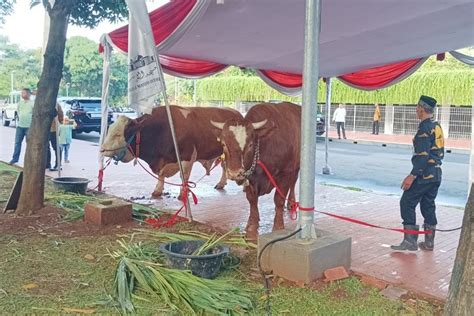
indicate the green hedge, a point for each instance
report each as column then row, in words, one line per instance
column 454, row 87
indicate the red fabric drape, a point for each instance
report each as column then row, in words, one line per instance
column 189, row 67
column 284, row 79
column 369, row 79
column 379, row 77
column 164, row 21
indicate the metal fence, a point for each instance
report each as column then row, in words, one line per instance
column 456, row 120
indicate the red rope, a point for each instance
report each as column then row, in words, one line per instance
column 186, row 189
column 295, row 207
column 100, row 177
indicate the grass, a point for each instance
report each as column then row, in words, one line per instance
column 66, row 278
column 343, row 187
column 348, row 297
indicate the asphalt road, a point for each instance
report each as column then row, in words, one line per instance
column 382, row 169
column 379, row 169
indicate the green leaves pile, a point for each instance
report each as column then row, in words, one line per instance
column 139, row 269
column 73, row 206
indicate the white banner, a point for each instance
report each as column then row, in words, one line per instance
column 144, row 74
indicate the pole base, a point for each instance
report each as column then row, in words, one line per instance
column 327, row 170
column 299, row 261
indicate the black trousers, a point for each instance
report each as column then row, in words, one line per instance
column 52, row 140
column 376, row 127
column 340, row 125
column 424, row 194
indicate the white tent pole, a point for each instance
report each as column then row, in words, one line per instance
column 173, row 134
column 308, row 118
column 58, row 149
column 327, row 169
column 104, row 107
column 471, row 156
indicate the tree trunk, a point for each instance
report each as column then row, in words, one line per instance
column 32, row 190
column 461, row 287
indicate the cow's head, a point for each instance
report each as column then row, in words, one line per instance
column 116, row 141
column 239, row 139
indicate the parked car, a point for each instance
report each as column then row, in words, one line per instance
column 9, row 108
column 320, row 124
column 85, row 111
column 128, row 112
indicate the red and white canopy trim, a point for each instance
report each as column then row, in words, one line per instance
column 368, row 45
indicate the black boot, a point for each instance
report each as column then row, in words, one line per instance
column 409, row 241
column 428, row 244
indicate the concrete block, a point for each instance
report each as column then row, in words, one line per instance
column 108, row 212
column 304, row 261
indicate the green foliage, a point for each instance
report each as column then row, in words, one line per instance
column 90, row 13
column 83, row 70
column 454, row 87
column 25, row 65
column 83, row 67
column 6, row 8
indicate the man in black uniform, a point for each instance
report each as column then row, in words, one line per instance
column 421, row 185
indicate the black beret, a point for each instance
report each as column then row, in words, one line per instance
column 427, row 101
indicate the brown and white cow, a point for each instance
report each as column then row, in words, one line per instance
column 269, row 133
column 195, row 137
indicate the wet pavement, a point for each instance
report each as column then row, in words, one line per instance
column 426, row 272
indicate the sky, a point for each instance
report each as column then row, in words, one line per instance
column 25, row 26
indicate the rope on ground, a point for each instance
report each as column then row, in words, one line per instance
column 295, row 206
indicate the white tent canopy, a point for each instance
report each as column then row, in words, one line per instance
column 355, row 35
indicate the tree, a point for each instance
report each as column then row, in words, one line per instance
column 79, row 12
column 6, row 8
column 25, row 64
column 83, row 66
column 461, row 287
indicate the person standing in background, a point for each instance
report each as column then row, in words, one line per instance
column 25, row 114
column 340, row 118
column 53, row 139
column 65, row 137
column 377, row 118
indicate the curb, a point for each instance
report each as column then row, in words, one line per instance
column 452, row 150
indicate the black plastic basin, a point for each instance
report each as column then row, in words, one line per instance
column 71, row 184
column 179, row 256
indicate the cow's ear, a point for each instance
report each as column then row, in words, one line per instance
column 218, row 125
column 216, row 129
column 133, row 127
column 264, row 129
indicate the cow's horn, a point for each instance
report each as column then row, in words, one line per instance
column 259, row 125
column 218, row 124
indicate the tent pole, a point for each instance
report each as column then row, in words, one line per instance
column 327, row 169
column 308, row 120
column 104, row 107
column 173, row 134
column 471, row 152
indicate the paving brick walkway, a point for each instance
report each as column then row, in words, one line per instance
column 426, row 272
